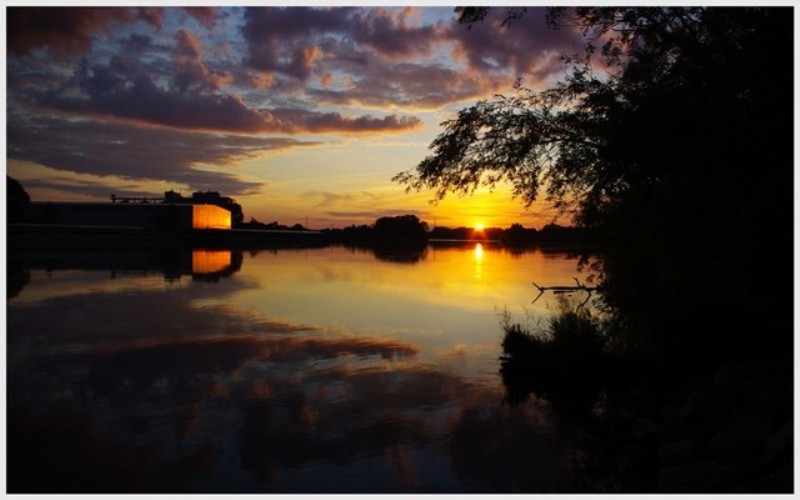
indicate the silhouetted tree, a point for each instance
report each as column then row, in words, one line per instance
column 518, row 235
column 17, row 277
column 17, row 200
column 447, row 233
column 677, row 160
column 406, row 228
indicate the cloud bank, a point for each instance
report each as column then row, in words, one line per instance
column 152, row 93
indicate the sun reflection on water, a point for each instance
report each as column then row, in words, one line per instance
column 478, row 252
column 478, row 261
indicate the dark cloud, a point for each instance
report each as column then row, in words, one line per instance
column 207, row 16
column 411, row 85
column 366, row 46
column 328, row 198
column 68, row 30
column 527, row 46
column 264, row 23
column 294, row 40
column 26, row 80
column 293, row 121
column 392, row 33
column 373, row 48
column 286, row 73
column 124, row 89
column 280, row 39
column 87, row 188
column 133, row 152
column 193, row 99
column 294, row 60
column 190, row 74
column 137, row 43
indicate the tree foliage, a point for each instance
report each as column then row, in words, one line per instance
column 676, row 90
column 670, row 138
column 17, row 200
column 402, row 227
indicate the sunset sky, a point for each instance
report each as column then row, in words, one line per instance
column 299, row 114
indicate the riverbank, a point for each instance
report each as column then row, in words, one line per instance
column 664, row 422
column 32, row 237
column 724, row 430
column 26, row 237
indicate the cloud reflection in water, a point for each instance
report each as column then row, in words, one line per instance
column 181, row 389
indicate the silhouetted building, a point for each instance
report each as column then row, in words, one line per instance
column 208, row 198
column 155, row 216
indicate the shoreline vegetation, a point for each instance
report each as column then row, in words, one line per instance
column 681, row 170
column 654, row 418
column 32, row 229
column 399, row 233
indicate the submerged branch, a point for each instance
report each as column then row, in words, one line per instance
column 559, row 289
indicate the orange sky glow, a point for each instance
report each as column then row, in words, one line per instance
column 303, row 115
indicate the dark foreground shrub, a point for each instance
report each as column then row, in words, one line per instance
column 561, row 361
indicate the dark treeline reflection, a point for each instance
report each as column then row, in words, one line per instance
column 394, row 253
column 412, row 253
column 408, row 253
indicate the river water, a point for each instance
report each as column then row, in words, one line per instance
column 326, row 370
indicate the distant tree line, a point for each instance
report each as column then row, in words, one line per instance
column 514, row 235
column 399, row 231
column 409, row 229
column 17, row 200
column 253, row 223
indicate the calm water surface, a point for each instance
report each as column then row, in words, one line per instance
column 319, row 370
